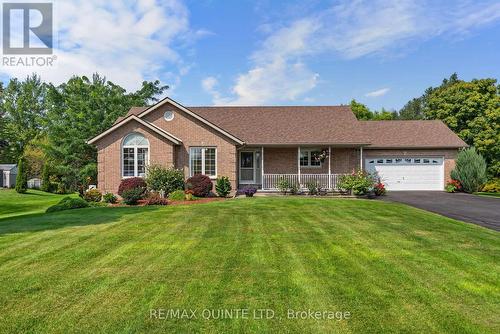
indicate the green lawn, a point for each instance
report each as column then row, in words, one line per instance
column 488, row 194
column 34, row 201
column 394, row 268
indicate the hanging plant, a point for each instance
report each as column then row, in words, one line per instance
column 322, row 156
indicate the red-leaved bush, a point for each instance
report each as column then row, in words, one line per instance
column 200, row 185
column 155, row 199
column 131, row 183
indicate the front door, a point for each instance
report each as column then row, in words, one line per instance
column 247, row 167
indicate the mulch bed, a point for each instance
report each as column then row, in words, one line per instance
column 198, row 201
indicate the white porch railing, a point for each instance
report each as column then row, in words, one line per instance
column 325, row 181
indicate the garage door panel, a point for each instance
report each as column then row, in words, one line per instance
column 408, row 176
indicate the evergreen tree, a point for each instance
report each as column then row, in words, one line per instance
column 45, row 178
column 21, row 179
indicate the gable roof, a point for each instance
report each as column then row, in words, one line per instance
column 411, row 134
column 192, row 114
column 148, row 125
column 315, row 125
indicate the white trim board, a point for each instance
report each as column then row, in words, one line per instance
column 148, row 125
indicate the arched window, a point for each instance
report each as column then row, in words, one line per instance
column 135, row 150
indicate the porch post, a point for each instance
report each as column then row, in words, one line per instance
column 361, row 158
column 329, row 167
column 298, row 163
column 262, row 166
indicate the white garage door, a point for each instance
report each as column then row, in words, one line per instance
column 404, row 173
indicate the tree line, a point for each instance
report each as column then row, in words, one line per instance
column 469, row 108
column 47, row 126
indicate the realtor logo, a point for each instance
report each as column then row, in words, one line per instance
column 27, row 28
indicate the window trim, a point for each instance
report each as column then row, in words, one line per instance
column 203, row 171
column 309, row 158
column 135, row 147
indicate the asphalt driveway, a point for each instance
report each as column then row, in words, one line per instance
column 480, row 210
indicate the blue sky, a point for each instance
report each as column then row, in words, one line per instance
column 381, row 53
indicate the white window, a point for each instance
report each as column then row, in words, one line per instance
column 310, row 158
column 203, row 160
column 135, row 155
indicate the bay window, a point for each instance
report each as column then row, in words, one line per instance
column 203, row 160
column 135, row 155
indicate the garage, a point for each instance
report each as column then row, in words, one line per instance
column 408, row 173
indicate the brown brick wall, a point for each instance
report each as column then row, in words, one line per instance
column 194, row 133
column 345, row 160
column 109, row 164
column 283, row 160
column 449, row 156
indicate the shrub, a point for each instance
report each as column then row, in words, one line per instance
column 159, row 178
column 131, row 183
column 470, row 170
column 177, row 195
column 109, row 198
column 92, row 195
column 59, row 187
column 68, row 203
column 357, row 183
column 132, row 196
column 223, row 186
column 189, row 195
column 283, row 185
column 452, row 186
column 21, row 178
column 379, row 189
column 200, row 184
column 493, row 186
column 294, row 188
column 249, row 191
column 155, row 199
column 313, row 187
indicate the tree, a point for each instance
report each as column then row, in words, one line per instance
column 472, row 111
column 384, row 115
column 21, row 179
column 414, row 109
column 46, row 178
column 23, row 110
column 34, row 157
column 79, row 110
column 470, row 170
column 361, row 111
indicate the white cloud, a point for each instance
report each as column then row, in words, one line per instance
column 127, row 41
column 278, row 73
column 377, row 93
column 349, row 29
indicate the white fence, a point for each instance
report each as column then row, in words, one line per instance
column 325, row 181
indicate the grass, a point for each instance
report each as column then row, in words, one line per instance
column 394, row 268
column 34, row 201
column 487, row 194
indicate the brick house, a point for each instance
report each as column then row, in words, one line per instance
column 261, row 145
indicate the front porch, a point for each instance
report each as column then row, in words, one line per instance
column 265, row 167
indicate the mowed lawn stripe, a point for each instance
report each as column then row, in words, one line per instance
column 394, row 268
